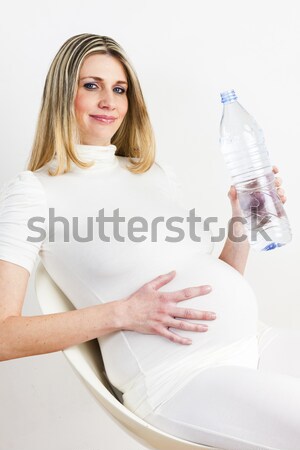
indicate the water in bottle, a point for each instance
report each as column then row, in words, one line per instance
column 243, row 146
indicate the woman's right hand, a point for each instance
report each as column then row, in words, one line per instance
column 150, row 311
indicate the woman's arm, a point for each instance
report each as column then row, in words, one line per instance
column 26, row 336
column 236, row 253
column 146, row 311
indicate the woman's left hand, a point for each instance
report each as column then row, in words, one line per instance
column 232, row 194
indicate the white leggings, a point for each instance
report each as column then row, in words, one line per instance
column 238, row 408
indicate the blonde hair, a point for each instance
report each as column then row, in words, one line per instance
column 57, row 130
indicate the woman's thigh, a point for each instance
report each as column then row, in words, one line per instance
column 234, row 407
column 279, row 351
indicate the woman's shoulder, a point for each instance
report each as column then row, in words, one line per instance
column 23, row 188
column 166, row 167
column 24, row 176
column 161, row 169
column 169, row 173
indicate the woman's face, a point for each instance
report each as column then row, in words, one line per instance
column 101, row 101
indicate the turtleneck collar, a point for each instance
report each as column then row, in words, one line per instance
column 103, row 155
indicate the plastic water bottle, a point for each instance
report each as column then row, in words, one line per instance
column 243, row 146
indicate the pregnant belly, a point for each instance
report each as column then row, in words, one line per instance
column 232, row 298
column 126, row 353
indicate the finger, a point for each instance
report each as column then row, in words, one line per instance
column 175, row 337
column 187, row 293
column 194, row 314
column 187, row 325
column 278, row 181
column 232, row 194
column 161, row 280
column 275, row 169
column 283, row 199
column 232, row 189
column 281, row 195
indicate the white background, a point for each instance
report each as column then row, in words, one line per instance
column 185, row 54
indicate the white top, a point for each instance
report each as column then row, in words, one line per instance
column 148, row 369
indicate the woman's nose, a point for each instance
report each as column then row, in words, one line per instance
column 107, row 100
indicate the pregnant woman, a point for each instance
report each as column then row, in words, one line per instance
column 97, row 208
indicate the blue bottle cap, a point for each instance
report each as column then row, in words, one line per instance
column 271, row 246
column 228, row 96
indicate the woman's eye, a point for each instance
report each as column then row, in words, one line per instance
column 117, row 89
column 121, row 90
column 89, row 84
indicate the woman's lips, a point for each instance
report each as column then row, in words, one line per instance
column 103, row 119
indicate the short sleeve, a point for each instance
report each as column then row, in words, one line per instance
column 22, row 199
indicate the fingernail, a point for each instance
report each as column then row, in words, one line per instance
column 212, row 315
column 207, row 288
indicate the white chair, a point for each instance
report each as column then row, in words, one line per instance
column 86, row 360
